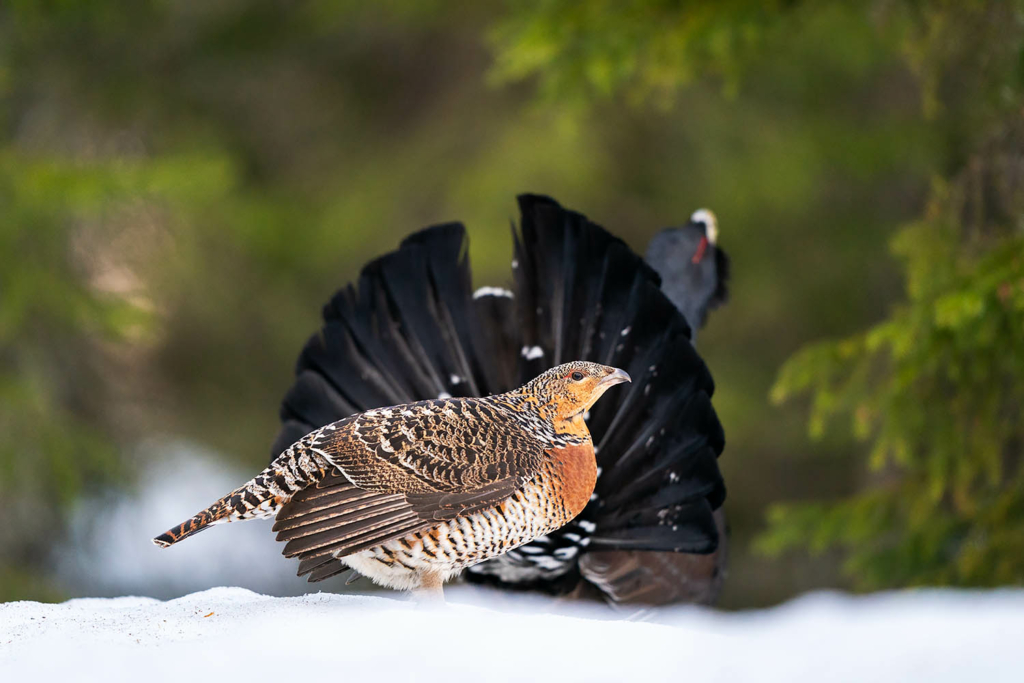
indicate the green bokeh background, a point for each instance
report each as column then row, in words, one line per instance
column 183, row 184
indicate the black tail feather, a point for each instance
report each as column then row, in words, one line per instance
column 407, row 333
column 692, row 530
column 501, row 335
column 590, row 297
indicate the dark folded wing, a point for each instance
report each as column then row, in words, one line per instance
column 336, row 518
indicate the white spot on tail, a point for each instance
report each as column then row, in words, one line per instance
column 532, row 352
column 493, row 291
column 546, row 562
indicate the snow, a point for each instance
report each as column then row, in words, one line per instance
column 925, row 635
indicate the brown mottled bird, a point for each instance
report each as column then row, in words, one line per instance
column 411, row 494
column 413, row 327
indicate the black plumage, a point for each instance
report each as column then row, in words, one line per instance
column 413, row 329
column 694, row 270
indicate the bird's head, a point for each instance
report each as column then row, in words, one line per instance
column 703, row 220
column 565, row 392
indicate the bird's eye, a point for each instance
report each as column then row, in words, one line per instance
column 577, row 376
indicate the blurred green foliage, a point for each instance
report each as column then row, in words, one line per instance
column 937, row 388
column 645, row 50
column 183, row 184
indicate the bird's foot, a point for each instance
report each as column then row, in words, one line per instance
column 430, row 591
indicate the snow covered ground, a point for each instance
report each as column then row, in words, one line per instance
column 930, row 636
column 926, row 635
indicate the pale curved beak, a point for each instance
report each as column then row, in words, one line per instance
column 616, row 377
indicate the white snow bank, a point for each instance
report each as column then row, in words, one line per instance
column 930, row 635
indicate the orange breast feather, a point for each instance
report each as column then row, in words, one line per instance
column 578, row 470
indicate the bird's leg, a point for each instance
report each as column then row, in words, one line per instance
column 430, row 590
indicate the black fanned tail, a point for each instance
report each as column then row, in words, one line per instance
column 414, row 330
column 407, row 332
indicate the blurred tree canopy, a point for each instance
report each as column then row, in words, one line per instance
column 183, row 184
column 937, row 388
